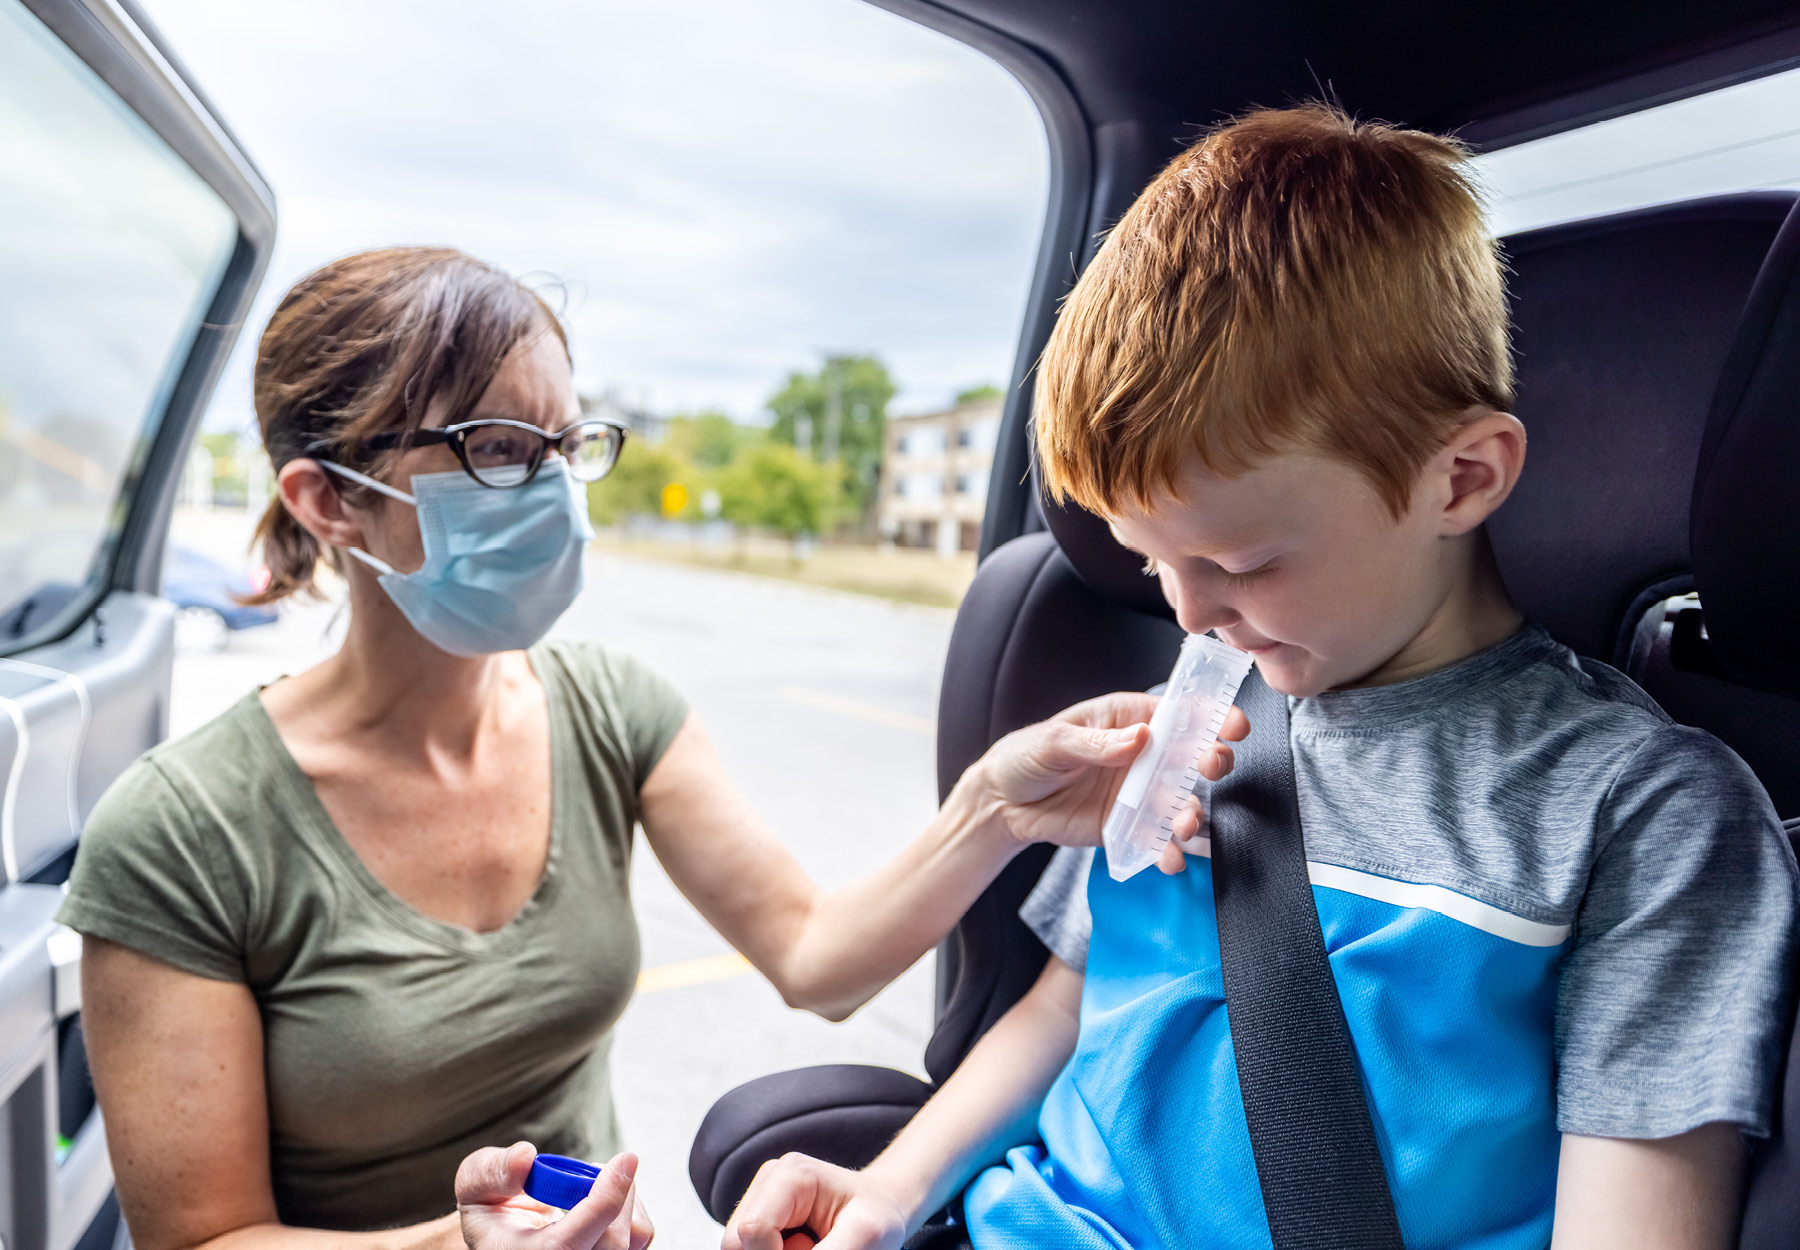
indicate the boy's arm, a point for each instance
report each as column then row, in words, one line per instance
column 989, row 1105
column 1676, row 1193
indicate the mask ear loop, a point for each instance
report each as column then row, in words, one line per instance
column 363, row 479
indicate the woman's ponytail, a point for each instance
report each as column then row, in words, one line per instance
column 289, row 551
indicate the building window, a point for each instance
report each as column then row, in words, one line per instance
column 921, row 486
column 925, row 442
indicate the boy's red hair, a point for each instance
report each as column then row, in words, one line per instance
column 1295, row 281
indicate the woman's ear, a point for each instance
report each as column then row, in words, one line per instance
column 1480, row 465
column 313, row 499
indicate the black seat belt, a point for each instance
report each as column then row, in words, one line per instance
column 1322, row 1180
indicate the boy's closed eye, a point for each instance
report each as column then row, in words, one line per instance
column 1238, row 578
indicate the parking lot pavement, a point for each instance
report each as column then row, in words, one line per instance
column 821, row 705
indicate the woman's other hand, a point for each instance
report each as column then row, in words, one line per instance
column 498, row 1215
column 1056, row 780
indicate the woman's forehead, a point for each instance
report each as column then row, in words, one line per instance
column 533, row 384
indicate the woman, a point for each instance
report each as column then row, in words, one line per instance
column 375, row 917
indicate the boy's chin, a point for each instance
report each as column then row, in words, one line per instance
column 1290, row 671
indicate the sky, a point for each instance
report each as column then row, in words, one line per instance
column 723, row 191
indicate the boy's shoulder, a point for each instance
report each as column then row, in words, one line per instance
column 1506, row 776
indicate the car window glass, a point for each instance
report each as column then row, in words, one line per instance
column 111, row 249
column 1740, row 138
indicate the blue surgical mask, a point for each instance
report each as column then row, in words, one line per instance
column 500, row 564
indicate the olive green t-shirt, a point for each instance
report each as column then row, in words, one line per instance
column 394, row 1043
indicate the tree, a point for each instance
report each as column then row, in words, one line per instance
column 838, row 416
column 710, row 439
column 975, row 394
column 776, row 488
column 635, row 486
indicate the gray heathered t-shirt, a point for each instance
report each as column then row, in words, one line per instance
column 1555, row 790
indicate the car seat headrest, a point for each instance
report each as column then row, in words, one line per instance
column 1746, row 503
column 1622, row 325
column 1109, row 570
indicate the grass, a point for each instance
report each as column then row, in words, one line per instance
column 900, row 574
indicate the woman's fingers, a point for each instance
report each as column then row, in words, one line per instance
column 1217, row 762
column 1188, row 823
column 643, row 1229
column 594, row 1223
column 1172, row 859
column 1111, row 711
column 1067, row 748
column 491, row 1175
column 1236, row 727
column 496, row 1214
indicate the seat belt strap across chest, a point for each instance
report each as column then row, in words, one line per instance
column 1323, row 1183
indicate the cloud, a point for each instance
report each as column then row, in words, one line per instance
column 726, row 188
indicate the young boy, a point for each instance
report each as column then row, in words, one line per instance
column 1560, row 925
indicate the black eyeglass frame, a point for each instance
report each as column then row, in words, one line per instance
column 457, row 437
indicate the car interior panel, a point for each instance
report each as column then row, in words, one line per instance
column 86, row 643
column 1636, row 352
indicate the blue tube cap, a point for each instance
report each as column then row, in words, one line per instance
column 559, row 1181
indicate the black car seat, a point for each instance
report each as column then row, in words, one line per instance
column 1732, row 664
column 1623, row 330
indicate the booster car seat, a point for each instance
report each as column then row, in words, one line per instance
column 1623, row 330
column 1734, row 668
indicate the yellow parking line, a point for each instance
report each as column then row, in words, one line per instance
column 861, row 711
column 692, row 972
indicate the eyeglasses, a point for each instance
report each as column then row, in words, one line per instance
column 504, row 454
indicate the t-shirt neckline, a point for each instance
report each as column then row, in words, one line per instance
column 1447, row 688
column 316, row 824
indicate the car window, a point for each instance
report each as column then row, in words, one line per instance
column 111, row 249
column 1740, row 138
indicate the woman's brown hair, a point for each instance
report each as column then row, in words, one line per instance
column 367, row 344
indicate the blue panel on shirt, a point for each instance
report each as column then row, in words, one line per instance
column 1452, row 1025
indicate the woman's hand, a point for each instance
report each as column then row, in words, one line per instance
column 797, row 1202
column 1055, row 781
column 497, row 1214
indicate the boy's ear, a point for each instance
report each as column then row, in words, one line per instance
column 312, row 497
column 1477, row 470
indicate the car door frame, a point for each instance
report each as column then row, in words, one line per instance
column 90, row 696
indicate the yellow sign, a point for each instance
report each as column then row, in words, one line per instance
column 674, row 499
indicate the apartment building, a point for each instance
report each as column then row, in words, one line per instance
column 934, row 477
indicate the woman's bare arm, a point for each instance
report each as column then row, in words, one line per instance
column 178, row 1066
column 830, row 952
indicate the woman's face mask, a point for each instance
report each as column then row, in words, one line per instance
column 501, row 565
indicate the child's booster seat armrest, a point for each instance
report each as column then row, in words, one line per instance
column 843, row 1113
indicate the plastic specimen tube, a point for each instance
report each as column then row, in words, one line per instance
column 1185, row 725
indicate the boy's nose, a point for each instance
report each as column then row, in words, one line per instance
column 1198, row 612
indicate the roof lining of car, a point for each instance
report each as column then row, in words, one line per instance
column 1498, row 73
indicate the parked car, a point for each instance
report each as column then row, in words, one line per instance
column 208, row 600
